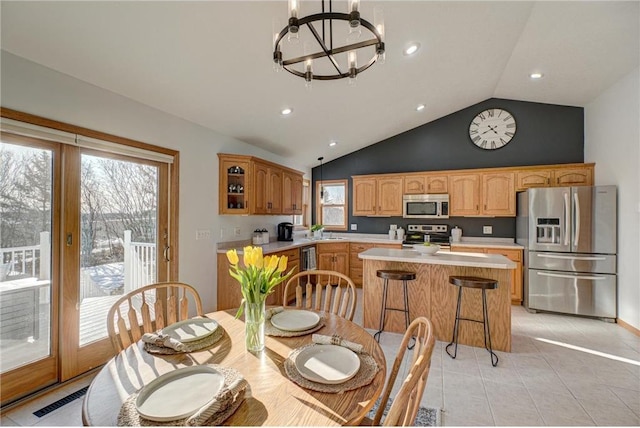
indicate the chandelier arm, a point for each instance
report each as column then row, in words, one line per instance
column 341, row 49
column 328, row 54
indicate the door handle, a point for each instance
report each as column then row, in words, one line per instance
column 559, row 275
column 567, row 218
column 556, row 256
column 165, row 254
column 576, row 235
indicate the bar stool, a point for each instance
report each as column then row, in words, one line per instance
column 398, row 275
column 483, row 284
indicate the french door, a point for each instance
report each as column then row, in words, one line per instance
column 115, row 232
column 79, row 227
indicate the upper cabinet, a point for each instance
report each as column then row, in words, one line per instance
column 377, row 196
column 425, row 183
column 267, row 188
column 555, row 176
column 292, row 193
column 235, row 185
column 482, row 194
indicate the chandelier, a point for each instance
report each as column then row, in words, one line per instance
column 334, row 43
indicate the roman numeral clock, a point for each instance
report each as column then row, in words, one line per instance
column 492, row 129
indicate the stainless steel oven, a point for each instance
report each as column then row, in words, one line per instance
column 425, row 206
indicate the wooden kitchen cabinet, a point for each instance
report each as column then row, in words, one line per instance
column 267, row 182
column 498, row 194
column 377, row 196
column 291, row 193
column 333, row 256
column 355, row 264
column 555, row 176
column 514, row 255
column 464, row 196
column 427, row 183
column 235, row 184
column 483, row 194
column 582, row 176
column 267, row 188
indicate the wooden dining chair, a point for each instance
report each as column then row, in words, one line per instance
column 406, row 403
column 322, row 290
column 148, row 309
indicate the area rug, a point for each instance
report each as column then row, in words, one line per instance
column 426, row 417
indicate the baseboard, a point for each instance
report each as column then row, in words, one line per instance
column 629, row 327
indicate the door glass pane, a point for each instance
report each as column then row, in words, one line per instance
column 119, row 202
column 25, row 254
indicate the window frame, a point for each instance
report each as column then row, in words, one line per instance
column 319, row 218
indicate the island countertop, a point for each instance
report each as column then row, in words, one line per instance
column 477, row 260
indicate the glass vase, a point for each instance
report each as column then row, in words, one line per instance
column 254, row 326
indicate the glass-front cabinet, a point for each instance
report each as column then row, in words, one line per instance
column 234, row 182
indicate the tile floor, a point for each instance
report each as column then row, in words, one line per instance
column 562, row 371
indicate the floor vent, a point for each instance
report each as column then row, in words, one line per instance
column 61, row 402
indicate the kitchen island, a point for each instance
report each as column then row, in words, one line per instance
column 431, row 295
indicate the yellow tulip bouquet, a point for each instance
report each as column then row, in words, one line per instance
column 258, row 279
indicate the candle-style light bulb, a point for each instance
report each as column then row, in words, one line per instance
column 354, row 21
column 353, row 67
column 293, row 36
column 378, row 22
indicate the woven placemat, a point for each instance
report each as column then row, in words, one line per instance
column 129, row 415
column 368, row 370
column 196, row 345
column 271, row 330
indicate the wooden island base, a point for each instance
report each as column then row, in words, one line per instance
column 432, row 296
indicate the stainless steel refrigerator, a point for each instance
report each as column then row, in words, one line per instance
column 570, row 240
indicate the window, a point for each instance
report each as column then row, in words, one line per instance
column 302, row 221
column 332, row 212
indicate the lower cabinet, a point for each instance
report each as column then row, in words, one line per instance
column 355, row 264
column 514, row 255
column 229, row 294
column 333, row 256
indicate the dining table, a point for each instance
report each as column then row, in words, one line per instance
column 272, row 398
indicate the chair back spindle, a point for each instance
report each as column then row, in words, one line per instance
column 323, row 290
column 132, row 315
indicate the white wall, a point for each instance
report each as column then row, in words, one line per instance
column 32, row 88
column 612, row 141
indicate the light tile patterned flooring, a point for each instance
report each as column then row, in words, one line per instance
column 562, row 371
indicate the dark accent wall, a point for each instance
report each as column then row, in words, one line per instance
column 546, row 134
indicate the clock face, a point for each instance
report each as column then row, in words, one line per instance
column 492, row 129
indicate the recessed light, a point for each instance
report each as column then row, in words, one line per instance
column 286, row 111
column 333, row 143
column 411, row 49
column 536, row 75
column 420, row 107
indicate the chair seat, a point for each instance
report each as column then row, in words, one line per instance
column 474, row 282
column 400, row 275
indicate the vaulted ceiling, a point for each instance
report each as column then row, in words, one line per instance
column 210, row 62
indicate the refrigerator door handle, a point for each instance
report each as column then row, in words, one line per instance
column 567, row 219
column 559, row 275
column 576, row 234
column 557, row 256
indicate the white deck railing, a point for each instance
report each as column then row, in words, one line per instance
column 35, row 261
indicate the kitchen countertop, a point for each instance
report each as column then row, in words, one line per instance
column 277, row 246
column 479, row 260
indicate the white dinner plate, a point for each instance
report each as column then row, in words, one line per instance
column 191, row 330
column 179, row 394
column 329, row 364
column 295, row 320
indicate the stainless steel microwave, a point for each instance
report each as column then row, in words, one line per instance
column 425, row 206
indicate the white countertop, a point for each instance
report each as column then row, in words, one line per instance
column 276, row 246
column 481, row 260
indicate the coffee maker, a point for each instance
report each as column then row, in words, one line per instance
column 285, row 232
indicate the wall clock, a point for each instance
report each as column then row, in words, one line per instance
column 492, row 128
